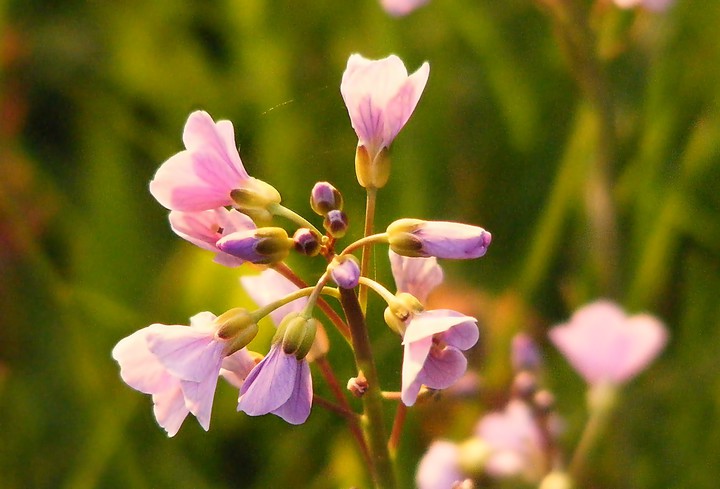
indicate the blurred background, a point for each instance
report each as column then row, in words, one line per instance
column 512, row 133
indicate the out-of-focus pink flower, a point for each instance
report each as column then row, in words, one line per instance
column 179, row 367
column 433, row 339
column 280, row 384
column 604, row 345
column 514, row 441
column 205, row 228
column 439, row 468
column 442, row 239
column 654, row 5
column 270, row 286
column 380, row 97
column 401, row 7
column 202, row 176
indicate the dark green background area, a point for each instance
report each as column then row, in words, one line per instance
column 93, row 98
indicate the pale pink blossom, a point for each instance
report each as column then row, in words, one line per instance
column 433, row 340
column 439, row 467
column 179, row 367
column 604, row 345
column 401, row 7
column 514, row 441
column 202, row 176
column 653, row 5
column 380, row 97
column 441, row 239
column 270, row 286
column 280, row 384
column 205, row 228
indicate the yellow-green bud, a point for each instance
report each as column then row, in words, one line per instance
column 297, row 334
column 400, row 310
column 255, row 194
column 237, row 327
column 401, row 239
column 372, row 171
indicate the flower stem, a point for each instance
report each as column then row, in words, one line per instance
column 601, row 399
column 364, row 242
column 367, row 251
column 282, row 211
column 333, row 316
column 397, row 428
column 374, row 426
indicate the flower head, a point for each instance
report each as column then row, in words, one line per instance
column 179, row 366
column 439, row 467
column 604, row 345
column 442, row 239
column 280, row 384
column 202, row 176
column 205, row 228
column 380, row 97
column 433, row 340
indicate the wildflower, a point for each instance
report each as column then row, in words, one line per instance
column 281, row 383
column 205, row 228
column 380, row 97
column 261, row 246
column 439, row 467
column 514, row 440
column 401, row 7
column 604, row 345
column 179, row 367
column 418, row 238
column 432, row 339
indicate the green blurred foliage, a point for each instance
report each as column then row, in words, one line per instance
column 93, row 97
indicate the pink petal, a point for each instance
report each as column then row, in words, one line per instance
column 201, row 133
column 270, row 286
column 453, row 240
column 187, row 353
column 139, row 368
column 270, row 384
column 199, row 397
column 462, row 336
column 236, row 367
column 442, row 368
column 169, row 409
column 416, row 276
column 297, row 408
column 416, row 353
column 439, row 468
column 399, row 109
column 429, row 323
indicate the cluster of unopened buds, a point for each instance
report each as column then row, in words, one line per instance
column 215, row 204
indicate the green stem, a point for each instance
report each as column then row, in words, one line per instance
column 282, row 211
column 267, row 309
column 374, row 426
column 601, row 399
column 364, row 242
column 367, row 251
column 381, row 291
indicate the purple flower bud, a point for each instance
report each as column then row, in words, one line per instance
column 336, row 223
column 345, row 271
column 325, row 198
column 261, row 246
column 307, row 242
column 524, row 353
column 442, row 239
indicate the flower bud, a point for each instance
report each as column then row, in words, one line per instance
column 473, row 454
column 325, row 198
column 524, row 385
column 298, row 334
column 336, row 223
column 400, row 310
column 442, row 239
column 307, row 241
column 320, row 346
column 358, row 386
column 524, row 353
column 261, row 246
column 345, row 271
column 238, row 327
column 255, row 194
column 372, row 172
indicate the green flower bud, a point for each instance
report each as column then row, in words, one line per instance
column 256, row 194
column 297, row 334
column 238, row 327
column 372, row 172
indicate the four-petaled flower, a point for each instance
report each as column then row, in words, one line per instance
column 179, row 367
column 432, row 339
column 604, row 345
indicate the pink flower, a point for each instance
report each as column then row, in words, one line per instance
column 604, row 345
column 202, row 176
column 654, row 5
column 280, row 384
column 380, row 97
column 441, row 239
column 270, row 286
column 401, row 7
column 433, row 339
column 179, row 367
column 514, row 441
column 205, row 228
column 439, row 467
